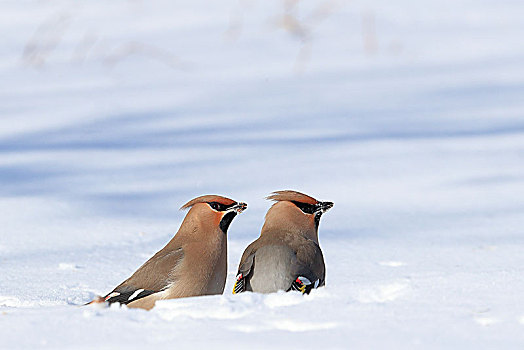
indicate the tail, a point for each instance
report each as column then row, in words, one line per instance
column 97, row 300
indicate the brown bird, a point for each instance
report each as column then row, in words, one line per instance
column 286, row 256
column 193, row 263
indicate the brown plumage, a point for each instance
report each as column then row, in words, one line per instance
column 287, row 255
column 193, row 263
column 290, row 195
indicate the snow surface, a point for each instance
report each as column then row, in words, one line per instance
column 408, row 115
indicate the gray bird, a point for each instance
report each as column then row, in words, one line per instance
column 193, row 263
column 286, row 256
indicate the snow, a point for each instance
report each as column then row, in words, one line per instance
column 409, row 116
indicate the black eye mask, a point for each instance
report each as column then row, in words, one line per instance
column 219, row 206
column 317, row 209
column 305, row 207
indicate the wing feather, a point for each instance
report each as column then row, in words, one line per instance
column 154, row 276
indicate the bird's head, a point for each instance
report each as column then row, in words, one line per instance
column 297, row 210
column 216, row 210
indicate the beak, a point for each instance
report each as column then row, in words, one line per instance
column 324, row 206
column 238, row 208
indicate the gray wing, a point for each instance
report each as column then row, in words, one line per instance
column 311, row 261
column 310, row 270
column 152, row 277
column 244, row 270
column 268, row 267
column 281, row 267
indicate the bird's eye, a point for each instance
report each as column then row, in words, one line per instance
column 214, row 205
column 306, row 208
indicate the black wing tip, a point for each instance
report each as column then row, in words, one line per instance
column 125, row 298
column 303, row 285
column 239, row 286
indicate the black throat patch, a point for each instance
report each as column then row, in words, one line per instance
column 226, row 221
column 317, row 219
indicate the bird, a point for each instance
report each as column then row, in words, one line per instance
column 193, row 262
column 287, row 255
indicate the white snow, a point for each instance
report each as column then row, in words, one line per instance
column 409, row 116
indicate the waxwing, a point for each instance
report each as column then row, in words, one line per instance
column 193, row 263
column 287, row 255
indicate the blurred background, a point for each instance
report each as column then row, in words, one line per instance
column 128, row 109
column 408, row 115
